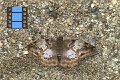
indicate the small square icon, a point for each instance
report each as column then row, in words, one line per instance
column 24, row 17
column 9, row 25
column 9, row 17
column 24, row 25
column 24, row 13
column 24, row 9
column 16, row 24
column 16, row 16
column 16, row 9
column 24, row 21
column 9, row 21
column 9, row 14
column 9, row 9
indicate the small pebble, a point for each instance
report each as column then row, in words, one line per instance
column 17, row 55
column 92, row 5
column 115, row 59
column 69, row 21
column 25, row 52
column 1, row 44
column 80, row 26
column 13, row 40
column 112, row 3
column 20, row 46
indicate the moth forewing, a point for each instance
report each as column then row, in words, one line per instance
column 36, row 47
column 69, row 57
column 78, row 44
column 68, row 62
column 42, row 44
column 83, row 49
column 49, row 58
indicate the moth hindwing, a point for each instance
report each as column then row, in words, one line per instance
column 63, row 52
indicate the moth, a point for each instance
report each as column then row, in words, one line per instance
column 60, row 51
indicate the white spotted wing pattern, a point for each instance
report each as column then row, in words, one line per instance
column 65, row 53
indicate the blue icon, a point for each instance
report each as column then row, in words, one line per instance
column 17, row 17
column 16, row 24
column 17, row 9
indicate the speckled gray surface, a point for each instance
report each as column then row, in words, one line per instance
column 90, row 20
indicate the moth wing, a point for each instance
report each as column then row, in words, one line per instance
column 69, row 58
column 75, row 49
column 44, row 49
column 82, row 48
column 84, row 52
column 36, row 47
column 49, row 58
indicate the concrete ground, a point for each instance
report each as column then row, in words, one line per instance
column 90, row 20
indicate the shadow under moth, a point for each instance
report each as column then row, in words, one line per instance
column 62, row 52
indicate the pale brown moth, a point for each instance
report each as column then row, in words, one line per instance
column 65, row 53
